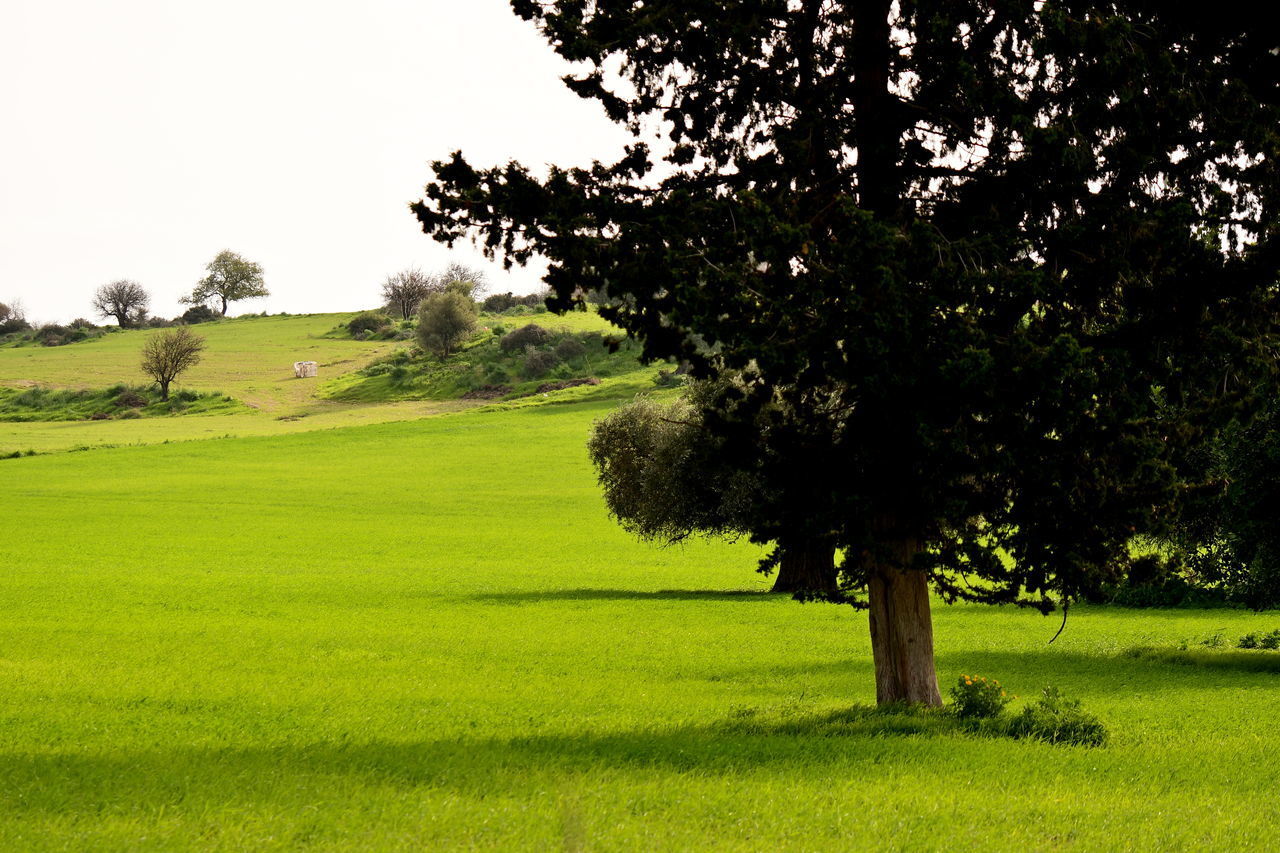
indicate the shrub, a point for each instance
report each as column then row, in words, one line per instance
column 524, row 337
column 82, row 323
column 128, row 415
column 668, row 379
column 1054, row 719
column 52, row 335
column 131, row 400
column 398, row 373
column 975, row 697
column 499, row 303
column 538, row 362
column 445, row 320
column 198, row 314
column 570, row 348
column 498, row 330
column 368, row 321
column 1269, row 640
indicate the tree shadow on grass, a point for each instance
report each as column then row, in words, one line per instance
column 1028, row 671
column 534, row 596
column 1224, row 660
column 806, row 742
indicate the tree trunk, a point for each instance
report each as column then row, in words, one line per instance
column 164, row 392
column 902, row 630
column 807, row 567
column 224, row 306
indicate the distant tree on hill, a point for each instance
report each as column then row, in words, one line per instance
column 405, row 289
column 124, row 300
column 12, row 318
column 166, row 355
column 466, row 280
column 445, row 320
column 230, row 279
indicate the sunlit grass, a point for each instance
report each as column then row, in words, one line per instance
column 428, row 634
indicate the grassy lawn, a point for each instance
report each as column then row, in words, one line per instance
column 426, row 634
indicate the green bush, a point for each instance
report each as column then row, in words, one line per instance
column 1054, row 719
column 368, row 322
column 570, row 348
column 198, row 314
column 524, row 337
column 975, row 698
column 538, row 362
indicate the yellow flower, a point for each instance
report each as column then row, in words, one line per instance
column 1001, row 692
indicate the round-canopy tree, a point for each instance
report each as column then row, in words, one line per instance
column 445, row 320
column 230, row 279
column 666, row 477
column 124, row 300
column 1004, row 261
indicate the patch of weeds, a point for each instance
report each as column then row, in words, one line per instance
column 1056, row 719
column 1268, row 641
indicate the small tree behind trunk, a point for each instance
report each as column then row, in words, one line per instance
column 807, row 567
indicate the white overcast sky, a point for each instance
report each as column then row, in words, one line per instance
column 140, row 137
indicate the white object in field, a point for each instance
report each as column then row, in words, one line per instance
column 304, row 369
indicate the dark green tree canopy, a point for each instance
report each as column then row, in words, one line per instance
column 1001, row 261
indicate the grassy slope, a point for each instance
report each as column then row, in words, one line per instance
column 250, row 359
column 407, row 636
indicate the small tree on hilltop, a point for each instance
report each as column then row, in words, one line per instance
column 230, row 279
column 445, row 320
column 464, row 279
column 405, row 289
column 124, row 300
column 166, row 355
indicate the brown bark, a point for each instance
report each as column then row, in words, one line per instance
column 810, row 567
column 902, row 630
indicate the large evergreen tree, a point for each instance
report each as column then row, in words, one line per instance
column 1005, row 261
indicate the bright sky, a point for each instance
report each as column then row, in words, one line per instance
column 140, row 137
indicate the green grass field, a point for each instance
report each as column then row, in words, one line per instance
column 427, row 634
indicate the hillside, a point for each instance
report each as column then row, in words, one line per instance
column 250, row 360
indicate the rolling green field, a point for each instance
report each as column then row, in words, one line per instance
column 251, row 360
column 427, row 634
